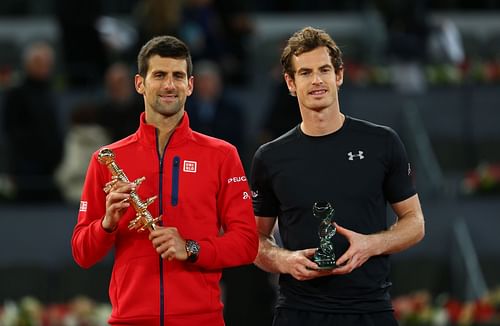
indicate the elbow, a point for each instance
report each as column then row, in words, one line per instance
column 251, row 249
column 80, row 261
column 82, row 264
column 260, row 263
column 421, row 232
column 254, row 248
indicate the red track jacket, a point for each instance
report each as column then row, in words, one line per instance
column 201, row 188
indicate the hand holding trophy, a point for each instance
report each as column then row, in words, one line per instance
column 324, row 255
column 144, row 220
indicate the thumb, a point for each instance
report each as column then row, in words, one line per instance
column 309, row 252
column 341, row 230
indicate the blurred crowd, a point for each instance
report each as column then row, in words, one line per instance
column 61, row 101
column 47, row 147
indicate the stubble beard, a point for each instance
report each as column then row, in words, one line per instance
column 167, row 110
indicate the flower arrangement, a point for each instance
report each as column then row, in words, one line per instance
column 484, row 179
column 80, row 311
column 414, row 309
column 419, row 309
column 482, row 72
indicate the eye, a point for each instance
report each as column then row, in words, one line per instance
column 179, row 76
column 158, row 75
column 326, row 70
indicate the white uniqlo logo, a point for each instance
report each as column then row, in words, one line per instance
column 189, row 166
column 351, row 156
column 83, row 206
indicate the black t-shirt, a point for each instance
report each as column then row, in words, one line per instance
column 358, row 169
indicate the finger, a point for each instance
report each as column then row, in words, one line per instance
column 310, row 265
column 346, row 268
column 122, row 204
column 341, row 230
column 344, row 259
column 172, row 230
column 341, row 270
column 309, row 252
column 155, row 241
column 303, row 273
column 109, row 185
column 315, row 273
column 117, row 196
column 169, row 254
column 157, row 232
column 124, row 187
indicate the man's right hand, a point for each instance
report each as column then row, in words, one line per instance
column 300, row 266
column 117, row 201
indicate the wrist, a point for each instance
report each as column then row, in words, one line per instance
column 108, row 227
column 193, row 250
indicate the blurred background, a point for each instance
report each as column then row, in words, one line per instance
column 428, row 69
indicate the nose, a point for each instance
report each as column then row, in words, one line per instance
column 317, row 78
column 168, row 82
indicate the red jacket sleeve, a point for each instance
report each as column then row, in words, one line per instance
column 90, row 243
column 238, row 245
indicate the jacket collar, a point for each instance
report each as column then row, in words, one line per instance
column 146, row 134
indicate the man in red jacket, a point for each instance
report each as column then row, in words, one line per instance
column 170, row 275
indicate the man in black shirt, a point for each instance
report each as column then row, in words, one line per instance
column 355, row 165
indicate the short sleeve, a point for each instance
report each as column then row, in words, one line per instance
column 399, row 184
column 264, row 200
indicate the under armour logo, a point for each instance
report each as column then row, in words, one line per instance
column 351, row 156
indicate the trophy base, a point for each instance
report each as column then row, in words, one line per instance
column 324, row 264
column 322, row 268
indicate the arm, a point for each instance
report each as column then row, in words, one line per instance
column 94, row 236
column 274, row 259
column 406, row 232
column 238, row 243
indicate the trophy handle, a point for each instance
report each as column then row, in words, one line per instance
column 144, row 220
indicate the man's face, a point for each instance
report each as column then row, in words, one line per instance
column 315, row 81
column 165, row 87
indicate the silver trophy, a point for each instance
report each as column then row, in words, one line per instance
column 324, row 256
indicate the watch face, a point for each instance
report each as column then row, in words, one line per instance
column 192, row 249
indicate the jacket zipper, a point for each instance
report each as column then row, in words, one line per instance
column 160, row 198
column 174, row 201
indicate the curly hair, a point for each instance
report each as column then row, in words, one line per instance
column 305, row 40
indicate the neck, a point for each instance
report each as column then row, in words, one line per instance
column 321, row 123
column 165, row 126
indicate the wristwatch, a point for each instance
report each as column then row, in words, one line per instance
column 193, row 250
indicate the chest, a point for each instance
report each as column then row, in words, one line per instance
column 346, row 173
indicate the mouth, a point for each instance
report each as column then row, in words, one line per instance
column 318, row 92
column 167, row 97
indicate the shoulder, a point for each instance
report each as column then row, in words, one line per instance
column 120, row 145
column 369, row 128
column 283, row 141
column 212, row 143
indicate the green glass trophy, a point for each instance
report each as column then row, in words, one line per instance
column 324, row 255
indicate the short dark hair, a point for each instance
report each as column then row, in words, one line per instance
column 166, row 47
column 308, row 39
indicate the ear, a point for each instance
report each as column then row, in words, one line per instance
column 290, row 83
column 190, row 86
column 339, row 76
column 139, row 84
